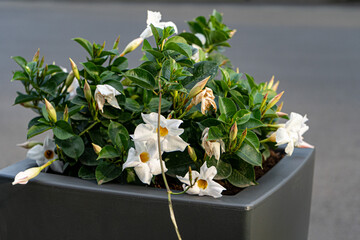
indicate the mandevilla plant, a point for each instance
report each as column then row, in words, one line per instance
column 112, row 123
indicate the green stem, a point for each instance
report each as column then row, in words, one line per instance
column 90, row 127
column 47, row 164
column 171, row 209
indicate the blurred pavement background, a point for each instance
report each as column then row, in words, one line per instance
column 313, row 50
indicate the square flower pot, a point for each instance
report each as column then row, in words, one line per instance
column 60, row 207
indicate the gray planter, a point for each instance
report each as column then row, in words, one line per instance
column 59, row 207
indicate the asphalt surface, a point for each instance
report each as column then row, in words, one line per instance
column 314, row 51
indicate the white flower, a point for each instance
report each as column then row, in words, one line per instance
column 72, row 89
column 212, row 147
column 24, row 177
column 44, row 154
column 204, row 185
column 201, row 37
column 291, row 133
column 154, row 19
column 206, row 97
column 145, row 160
column 169, row 132
column 108, row 93
column 196, row 56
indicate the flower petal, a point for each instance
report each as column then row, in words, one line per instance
column 143, row 172
column 282, row 136
column 173, row 143
column 144, row 132
column 36, row 153
column 57, row 166
column 132, row 159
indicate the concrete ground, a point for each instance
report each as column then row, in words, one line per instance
column 314, row 51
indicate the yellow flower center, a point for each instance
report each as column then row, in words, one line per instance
column 48, row 154
column 163, row 131
column 202, row 183
column 144, row 157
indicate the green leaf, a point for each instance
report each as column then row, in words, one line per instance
column 227, row 106
column 191, row 38
column 252, row 139
column 21, row 61
column 18, row 75
column 37, row 129
column 141, row 77
column 242, row 116
column 73, row 147
column 85, row 44
column 58, row 78
column 176, row 39
column 154, row 105
column 106, row 172
column 224, row 169
column 251, row 123
column 119, row 135
column 89, row 157
column 249, row 154
column 243, row 177
column 53, row 69
column 178, row 163
column 155, row 32
column 119, row 65
column 63, row 130
column 201, row 71
column 132, row 105
column 115, row 84
column 91, row 69
column 86, row 173
column 215, row 132
column 22, row 98
column 182, row 48
column 217, row 37
column 108, row 152
column 49, row 87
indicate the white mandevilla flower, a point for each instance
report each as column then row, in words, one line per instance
column 291, row 133
column 45, row 153
column 108, row 93
column 154, row 19
column 212, row 147
column 145, row 160
column 204, row 185
column 206, row 97
column 72, row 89
column 169, row 132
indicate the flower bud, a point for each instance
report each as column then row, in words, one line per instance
column 281, row 114
column 97, row 148
column 50, row 110
column 198, row 88
column 272, row 137
column 276, row 85
column 273, row 101
column 271, row 82
column 233, row 132
column 66, row 113
column 116, row 43
column 69, row 79
column 24, row 177
column 263, row 103
column 28, row 144
column 28, row 105
column 75, row 69
column 243, row 136
column 87, row 92
column 132, row 46
column 42, row 61
column 192, row 153
column 232, row 33
column 280, row 107
column 45, row 70
column 36, row 56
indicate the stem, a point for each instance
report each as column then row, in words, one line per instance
column 87, row 129
column 172, row 215
column 48, row 164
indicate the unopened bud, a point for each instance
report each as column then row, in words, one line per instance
column 232, row 33
column 198, row 88
column 27, row 104
column 192, row 153
column 271, row 82
column 45, row 70
column 42, row 61
column 233, row 132
column 50, row 110
column 75, row 69
column 87, row 92
column 275, row 87
column 272, row 137
column 263, row 103
column 28, row 144
column 66, row 113
column 97, row 148
column 280, row 107
column 69, row 79
column 116, row 43
column 274, row 101
column 281, row 114
column 243, row 136
column 36, row 56
column 132, row 46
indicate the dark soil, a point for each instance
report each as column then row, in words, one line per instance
column 275, row 157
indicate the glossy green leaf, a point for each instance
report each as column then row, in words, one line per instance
column 227, row 106
column 21, row 61
column 106, row 172
column 73, row 147
column 224, row 169
column 249, row 154
column 63, row 130
column 87, row 173
column 22, row 98
column 19, row 75
column 141, row 77
column 37, row 129
column 243, row 177
column 119, row 135
column 182, row 48
column 154, row 105
column 89, row 157
column 85, row 44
